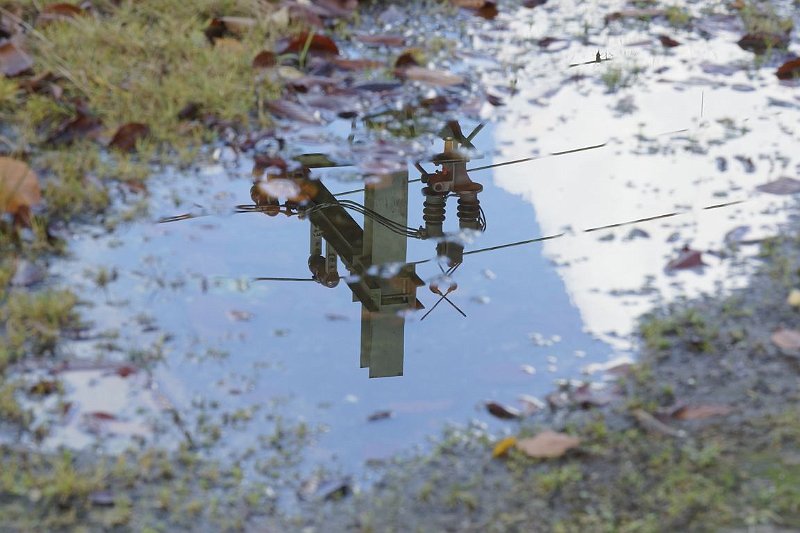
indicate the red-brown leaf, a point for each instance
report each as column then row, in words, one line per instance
column 58, row 12
column 264, row 59
column 668, row 42
column 789, row 70
column 320, row 44
column 83, row 126
column 128, row 135
column 688, row 258
column 430, row 77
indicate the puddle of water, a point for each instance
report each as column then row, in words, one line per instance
column 535, row 313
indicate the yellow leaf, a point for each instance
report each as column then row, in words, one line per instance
column 794, row 298
column 502, row 447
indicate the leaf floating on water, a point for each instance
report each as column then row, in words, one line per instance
column 503, row 446
column 668, row 42
column 502, row 411
column 431, row 77
column 13, row 59
column 700, row 412
column 128, row 135
column 548, row 445
column 19, row 187
column 789, row 70
column 688, row 258
column 239, row 316
column 379, row 415
column 788, row 340
column 784, row 185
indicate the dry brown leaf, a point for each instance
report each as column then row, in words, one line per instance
column 502, row 411
column 58, row 13
column 128, row 135
column 264, row 59
column 318, row 44
column 547, row 444
column 789, row 70
column 431, row 77
column 19, row 187
column 700, row 412
column 13, row 59
column 787, row 340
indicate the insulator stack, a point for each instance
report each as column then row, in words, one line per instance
column 469, row 211
column 433, row 212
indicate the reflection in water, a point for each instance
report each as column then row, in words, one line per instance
column 375, row 256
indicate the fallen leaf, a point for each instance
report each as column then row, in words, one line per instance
column 652, row 424
column 794, row 298
column 700, row 412
column 319, row 44
column 128, row 135
column 502, row 411
column 356, row 64
column 190, row 111
column 788, row 340
column 13, row 59
column 19, row 187
column 82, row 126
column 125, row 370
column 688, row 258
column 334, row 8
column 547, row 445
column 58, row 13
column 501, row 448
column 379, row 415
column 760, row 42
column 667, row 41
column 292, row 111
column 789, row 70
column 264, row 59
column 100, row 415
column 533, row 3
column 430, row 77
column 221, row 27
column 381, row 40
column 784, row 185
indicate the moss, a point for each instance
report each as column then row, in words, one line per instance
column 35, row 322
column 678, row 17
column 689, row 327
column 763, row 18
